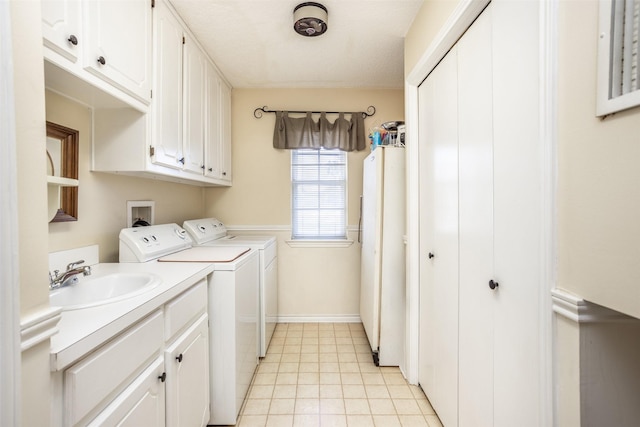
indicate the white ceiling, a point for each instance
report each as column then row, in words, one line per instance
column 254, row 45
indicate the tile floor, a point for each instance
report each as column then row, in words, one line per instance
column 322, row 374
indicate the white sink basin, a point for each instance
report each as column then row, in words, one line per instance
column 93, row 291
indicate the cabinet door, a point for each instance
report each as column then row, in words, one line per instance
column 61, row 27
column 187, row 366
column 475, row 195
column 194, row 92
column 141, row 404
column 438, row 347
column 212, row 146
column 167, row 93
column 225, row 131
column 118, row 46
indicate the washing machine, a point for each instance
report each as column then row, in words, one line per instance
column 232, row 307
column 212, row 232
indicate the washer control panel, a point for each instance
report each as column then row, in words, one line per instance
column 142, row 244
column 205, row 230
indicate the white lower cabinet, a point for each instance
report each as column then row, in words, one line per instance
column 155, row 373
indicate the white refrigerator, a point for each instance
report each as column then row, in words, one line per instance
column 382, row 275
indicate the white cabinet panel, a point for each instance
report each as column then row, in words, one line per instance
column 225, row 132
column 194, row 92
column 212, row 147
column 118, row 44
column 61, row 27
column 167, row 93
column 187, row 365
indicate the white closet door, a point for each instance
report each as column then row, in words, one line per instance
column 438, row 355
column 518, row 213
column 475, row 136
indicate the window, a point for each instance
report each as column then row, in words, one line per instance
column 618, row 84
column 319, row 194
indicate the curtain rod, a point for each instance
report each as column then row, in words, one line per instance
column 258, row 112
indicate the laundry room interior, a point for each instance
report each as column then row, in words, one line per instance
column 493, row 283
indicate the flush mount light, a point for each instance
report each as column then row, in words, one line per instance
column 310, row 19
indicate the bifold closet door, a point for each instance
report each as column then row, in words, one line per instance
column 438, row 347
column 475, row 194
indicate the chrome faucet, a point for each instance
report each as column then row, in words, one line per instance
column 70, row 276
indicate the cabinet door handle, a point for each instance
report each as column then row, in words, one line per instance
column 431, row 255
column 163, row 377
column 73, row 40
column 179, row 358
column 210, row 169
column 224, row 173
column 102, row 61
column 181, row 160
column 493, row 285
column 202, row 167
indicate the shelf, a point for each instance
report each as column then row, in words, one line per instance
column 61, row 181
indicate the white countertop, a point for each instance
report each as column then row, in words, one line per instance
column 82, row 331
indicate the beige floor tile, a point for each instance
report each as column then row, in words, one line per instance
column 258, row 391
column 295, row 327
column 275, row 341
column 294, row 333
column 372, row 377
column 252, row 421
column 425, row 407
column 382, row 407
column 272, row 357
column 413, row 421
column 326, row 333
column 394, row 379
column 308, row 391
column 288, row 367
column 354, row 391
column 303, row 420
column 357, row 406
column 256, row 407
column 282, row 406
column 433, row 420
column 346, row 348
column 284, row 391
column 331, row 391
column 266, row 367
column 291, row 348
column 365, row 356
column 329, row 367
column 287, row 378
column 369, row 367
column 331, row 420
column 328, row 357
column 279, row 421
column 386, row 421
column 309, row 358
column 275, row 349
column 407, row 407
column 360, row 421
column 327, row 348
column 390, row 369
column 377, row 391
column 332, row 406
column 290, row 358
column 309, row 367
column 351, row 378
column 347, row 357
column 344, row 340
column 349, row 367
column 417, row 391
column 400, row 391
column 307, row 406
column 341, row 326
column 325, row 326
column 309, row 348
column 264, row 379
column 324, row 340
column 293, row 341
column 310, row 340
column 362, row 348
column 330, row 378
column 308, row 378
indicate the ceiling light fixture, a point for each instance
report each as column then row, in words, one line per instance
column 310, row 19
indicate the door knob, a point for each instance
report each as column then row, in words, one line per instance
column 493, row 285
column 431, row 255
column 179, row 358
column 102, row 61
column 73, row 40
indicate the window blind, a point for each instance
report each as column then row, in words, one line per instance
column 626, row 22
column 319, row 187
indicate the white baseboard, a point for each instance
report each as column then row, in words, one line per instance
column 325, row 318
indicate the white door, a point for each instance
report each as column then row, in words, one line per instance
column 371, row 246
column 118, row 45
column 167, row 94
column 61, row 27
column 438, row 355
column 518, row 212
column 476, row 299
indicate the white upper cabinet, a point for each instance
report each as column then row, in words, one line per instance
column 118, row 45
column 212, row 125
column 61, row 27
column 225, row 131
column 195, row 69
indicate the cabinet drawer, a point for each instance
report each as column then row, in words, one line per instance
column 101, row 375
column 184, row 309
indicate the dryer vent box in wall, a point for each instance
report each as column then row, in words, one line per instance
column 140, row 213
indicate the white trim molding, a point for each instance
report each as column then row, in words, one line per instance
column 574, row 308
column 320, row 318
column 39, row 327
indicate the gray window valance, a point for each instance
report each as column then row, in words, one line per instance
column 304, row 132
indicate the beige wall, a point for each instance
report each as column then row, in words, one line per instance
column 598, row 175
column 102, row 197
column 313, row 281
column 426, row 25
